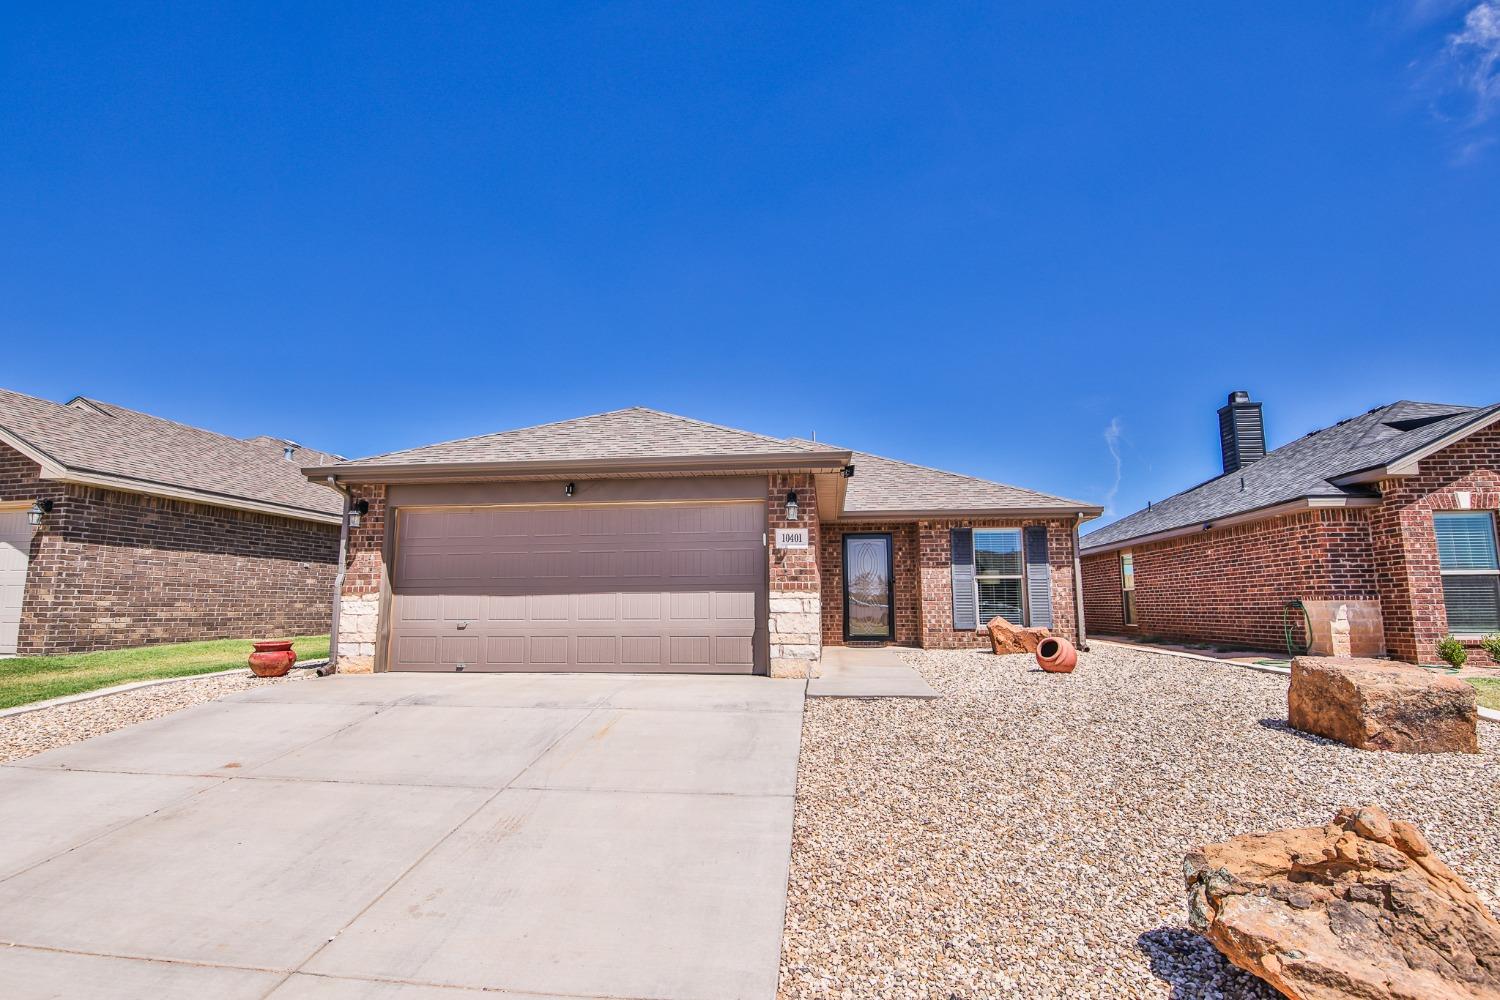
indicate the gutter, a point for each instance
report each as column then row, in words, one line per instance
column 332, row 666
column 826, row 461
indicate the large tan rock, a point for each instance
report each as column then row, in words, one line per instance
column 1379, row 705
column 1006, row 638
column 1358, row 908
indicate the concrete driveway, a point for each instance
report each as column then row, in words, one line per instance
column 412, row 837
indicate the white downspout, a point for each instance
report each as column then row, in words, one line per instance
column 1083, row 633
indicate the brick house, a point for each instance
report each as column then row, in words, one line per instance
column 637, row 541
column 119, row 529
column 1383, row 526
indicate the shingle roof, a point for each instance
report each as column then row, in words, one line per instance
column 636, row 432
column 879, row 484
column 1303, row 469
column 91, row 436
column 887, row 485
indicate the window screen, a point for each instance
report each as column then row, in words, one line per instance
column 1471, row 571
column 998, row 566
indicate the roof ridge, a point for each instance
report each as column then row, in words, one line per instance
column 706, row 423
column 157, row 419
column 491, row 434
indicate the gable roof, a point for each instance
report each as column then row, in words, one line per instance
column 643, row 441
column 98, row 443
column 1332, row 466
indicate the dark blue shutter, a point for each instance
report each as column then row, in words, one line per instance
column 965, row 614
column 1038, row 577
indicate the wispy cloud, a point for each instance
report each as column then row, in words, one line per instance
column 1474, row 57
column 1112, row 441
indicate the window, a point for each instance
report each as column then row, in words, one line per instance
column 1471, row 572
column 998, row 568
column 1127, row 587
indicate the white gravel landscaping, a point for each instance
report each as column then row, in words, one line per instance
column 1023, row 836
column 49, row 728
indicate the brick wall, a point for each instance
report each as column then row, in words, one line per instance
column 364, row 574
column 795, row 584
column 110, row 570
column 935, row 557
column 1405, row 545
column 1231, row 585
column 907, row 627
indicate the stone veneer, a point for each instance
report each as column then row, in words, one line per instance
column 364, row 573
column 795, row 609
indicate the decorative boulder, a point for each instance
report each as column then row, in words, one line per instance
column 1379, row 705
column 1006, row 638
column 1360, row 908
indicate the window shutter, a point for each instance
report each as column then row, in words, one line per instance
column 1038, row 577
column 965, row 615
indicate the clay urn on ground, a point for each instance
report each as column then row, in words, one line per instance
column 272, row 659
column 1056, row 656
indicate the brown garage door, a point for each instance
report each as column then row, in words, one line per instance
column 662, row 587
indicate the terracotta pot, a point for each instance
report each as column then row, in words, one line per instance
column 1056, row 656
column 272, row 659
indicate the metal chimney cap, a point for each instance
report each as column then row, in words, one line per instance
column 1239, row 396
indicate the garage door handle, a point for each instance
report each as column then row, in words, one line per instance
column 463, row 625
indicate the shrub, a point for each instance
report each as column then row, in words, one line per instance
column 1491, row 644
column 1451, row 650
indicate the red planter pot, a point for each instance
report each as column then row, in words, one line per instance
column 272, row 659
column 1056, row 656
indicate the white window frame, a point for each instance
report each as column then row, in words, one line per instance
column 1494, row 534
column 1020, row 577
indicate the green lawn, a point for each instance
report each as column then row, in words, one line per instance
column 1489, row 691
column 34, row 678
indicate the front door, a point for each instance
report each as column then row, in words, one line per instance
column 868, row 597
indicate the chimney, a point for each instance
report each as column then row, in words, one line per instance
column 1242, row 432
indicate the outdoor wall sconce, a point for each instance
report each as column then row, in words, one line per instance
column 793, row 512
column 569, row 490
column 38, row 510
column 357, row 511
column 847, row 471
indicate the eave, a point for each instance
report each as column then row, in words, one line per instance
column 438, row 472
column 970, row 513
column 1410, row 464
column 1229, row 521
column 52, row 470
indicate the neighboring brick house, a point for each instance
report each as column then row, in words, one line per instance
column 119, row 529
column 637, row 540
column 1383, row 526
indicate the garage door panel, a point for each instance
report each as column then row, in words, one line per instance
column 669, row 588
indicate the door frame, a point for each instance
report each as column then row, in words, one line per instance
column 890, row 584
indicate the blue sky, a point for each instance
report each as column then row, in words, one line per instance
column 974, row 236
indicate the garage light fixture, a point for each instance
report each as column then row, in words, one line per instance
column 357, row 511
column 793, row 512
column 38, row 510
column 569, row 490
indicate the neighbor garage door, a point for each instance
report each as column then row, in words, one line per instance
column 659, row 587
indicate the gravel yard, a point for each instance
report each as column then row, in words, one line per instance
column 1023, row 836
column 49, row 728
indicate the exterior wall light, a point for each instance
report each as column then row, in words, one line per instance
column 848, row 471
column 569, row 490
column 357, row 511
column 793, row 512
column 38, row 510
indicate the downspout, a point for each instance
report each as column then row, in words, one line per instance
column 332, row 665
column 1083, row 633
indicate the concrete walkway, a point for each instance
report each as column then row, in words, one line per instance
column 412, row 837
column 878, row 672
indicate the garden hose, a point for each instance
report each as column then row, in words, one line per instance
column 1286, row 626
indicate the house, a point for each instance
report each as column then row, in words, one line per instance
column 1381, row 526
column 642, row 541
column 118, row 528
